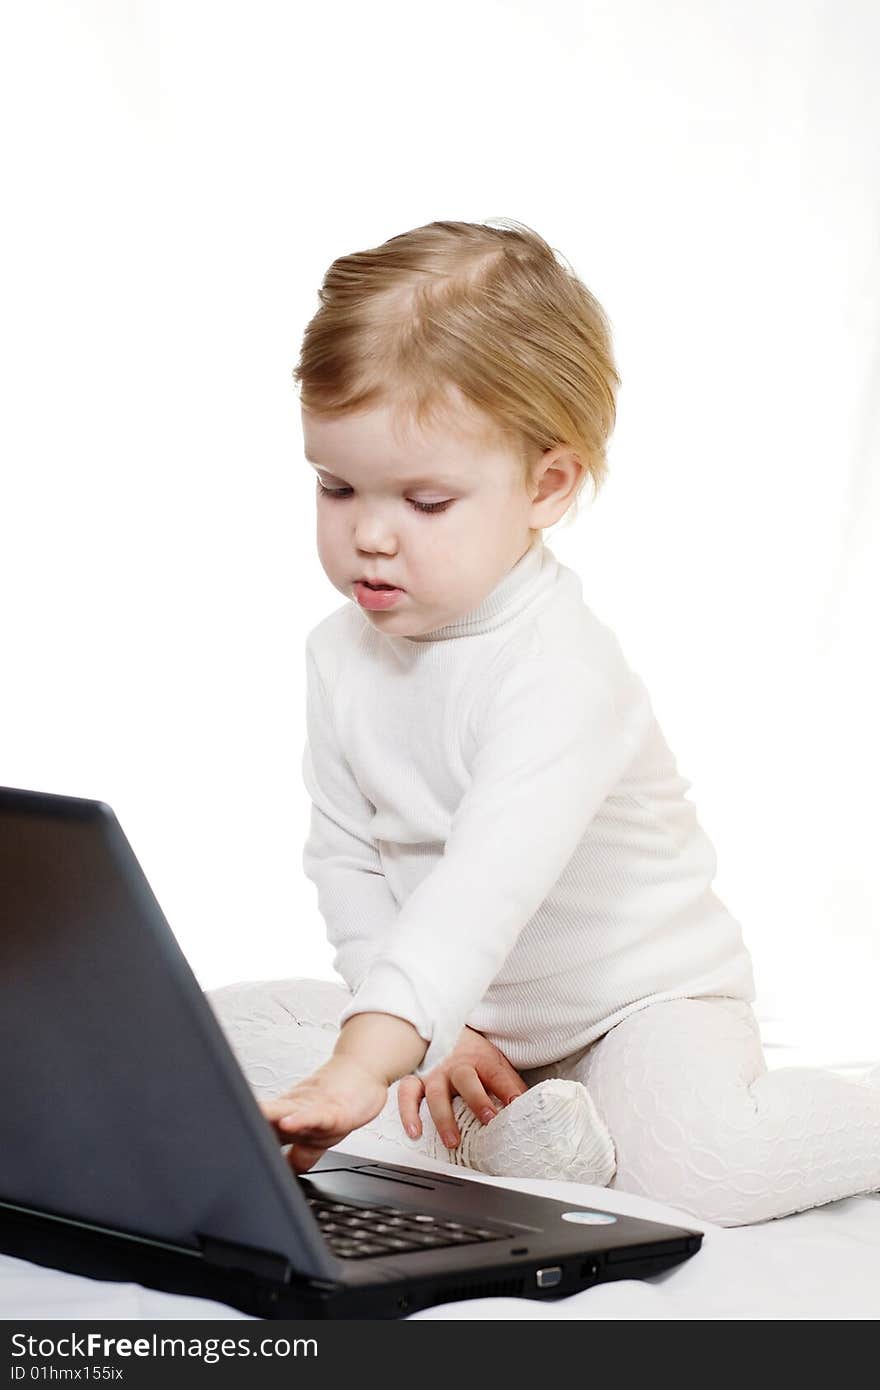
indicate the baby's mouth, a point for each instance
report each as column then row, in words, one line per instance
column 375, row 598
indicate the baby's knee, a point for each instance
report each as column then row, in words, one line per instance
column 259, row 1004
column 694, row 1153
column 735, row 1199
column 279, row 1030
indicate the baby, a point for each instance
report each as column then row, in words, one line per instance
column 517, row 889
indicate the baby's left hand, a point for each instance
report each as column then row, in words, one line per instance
column 320, row 1111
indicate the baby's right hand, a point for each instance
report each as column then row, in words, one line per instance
column 323, row 1109
column 472, row 1066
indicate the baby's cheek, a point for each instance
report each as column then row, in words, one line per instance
column 329, row 552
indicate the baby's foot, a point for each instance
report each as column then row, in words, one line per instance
column 553, row 1130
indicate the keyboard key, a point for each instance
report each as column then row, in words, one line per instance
column 355, row 1232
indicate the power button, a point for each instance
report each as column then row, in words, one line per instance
column 546, row 1278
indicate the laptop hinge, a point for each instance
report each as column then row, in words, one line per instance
column 229, row 1254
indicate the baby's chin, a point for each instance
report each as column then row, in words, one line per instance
column 398, row 623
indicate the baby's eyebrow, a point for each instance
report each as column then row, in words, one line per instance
column 425, row 480
column 428, row 481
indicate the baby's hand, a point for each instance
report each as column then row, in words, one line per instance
column 472, row 1065
column 320, row 1111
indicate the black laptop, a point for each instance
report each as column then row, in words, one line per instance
column 133, row 1148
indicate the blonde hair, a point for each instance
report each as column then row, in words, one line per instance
column 489, row 311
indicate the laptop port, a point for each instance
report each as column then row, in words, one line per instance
column 547, row 1278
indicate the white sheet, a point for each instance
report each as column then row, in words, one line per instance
column 823, row 1264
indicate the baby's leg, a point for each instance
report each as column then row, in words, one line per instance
column 280, row 1030
column 699, row 1122
column 283, row 1030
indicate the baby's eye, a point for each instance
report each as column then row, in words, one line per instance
column 342, row 492
column 332, row 491
column 431, row 506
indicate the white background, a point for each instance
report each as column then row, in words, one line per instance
column 178, row 177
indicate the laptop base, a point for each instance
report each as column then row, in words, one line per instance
column 103, row 1255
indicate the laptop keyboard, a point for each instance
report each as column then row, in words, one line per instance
column 354, row 1232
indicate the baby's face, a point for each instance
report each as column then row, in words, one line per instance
column 439, row 517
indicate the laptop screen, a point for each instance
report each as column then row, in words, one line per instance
column 123, row 1104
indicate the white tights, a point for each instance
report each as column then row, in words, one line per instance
column 697, row 1120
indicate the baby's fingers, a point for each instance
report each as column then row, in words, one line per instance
column 304, row 1118
column 409, row 1098
column 307, row 1121
column 504, row 1081
column 274, row 1112
column 302, row 1157
column 439, row 1098
column 466, row 1081
column 277, row 1108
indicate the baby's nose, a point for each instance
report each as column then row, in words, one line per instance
column 374, row 538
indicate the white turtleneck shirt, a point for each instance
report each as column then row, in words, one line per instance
column 499, row 835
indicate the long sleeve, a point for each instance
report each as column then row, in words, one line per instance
column 551, row 745
column 339, row 856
